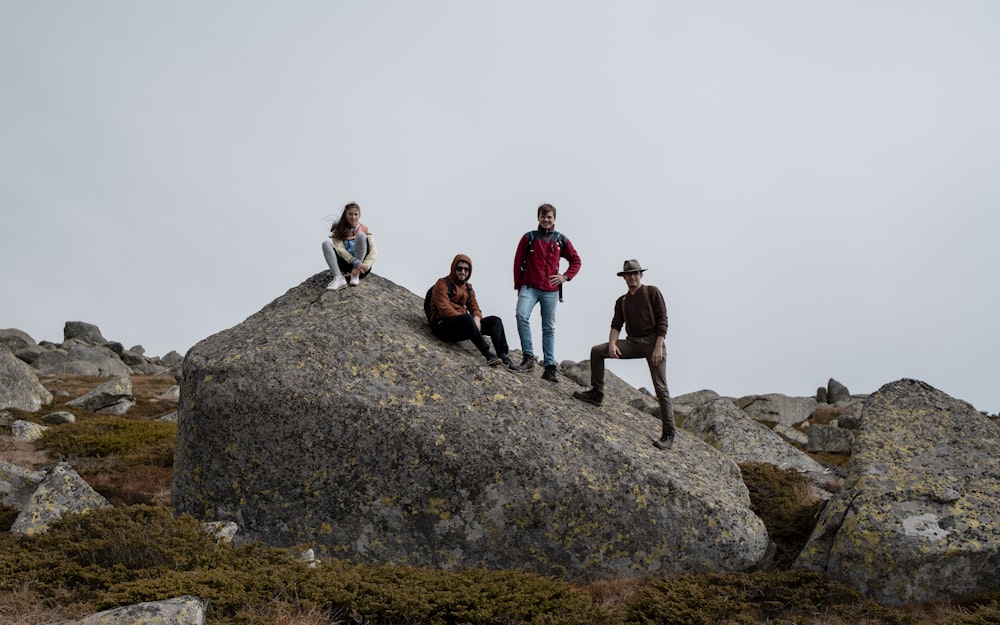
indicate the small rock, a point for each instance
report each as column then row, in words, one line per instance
column 59, row 418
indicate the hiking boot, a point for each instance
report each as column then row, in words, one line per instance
column 591, row 397
column 527, row 362
column 550, row 374
column 355, row 280
column 664, row 443
column 493, row 360
column 510, row 365
column 337, row 283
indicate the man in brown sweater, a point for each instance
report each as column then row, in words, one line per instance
column 643, row 313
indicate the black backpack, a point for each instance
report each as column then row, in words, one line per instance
column 429, row 305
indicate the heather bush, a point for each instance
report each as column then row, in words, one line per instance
column 101, row 436
column 783, row 499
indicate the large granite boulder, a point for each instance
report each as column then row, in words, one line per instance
column 336, row 418
column 918, row 518
column 19, row 385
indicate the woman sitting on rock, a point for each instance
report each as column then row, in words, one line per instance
column 350, row 250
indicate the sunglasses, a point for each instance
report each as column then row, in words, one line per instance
column 463, row 268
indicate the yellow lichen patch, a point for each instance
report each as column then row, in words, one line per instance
column 439, row 440
column 208, row 378
column 537, row 495
column 499, row 397
column 436, row 507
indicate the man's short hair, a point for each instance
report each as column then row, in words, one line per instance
column 546, row 208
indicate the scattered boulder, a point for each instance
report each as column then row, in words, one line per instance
column 112, row 397
column 829, row 439
column 777, row 408
column 171, row 359
column 86, row 332
column 16, row 340
column 792, row 435
column 836, row 392
column 76, row 358
column 17, row 484
column 171, row 394
column 223, row 531
column 185, row 610
column 61, row 491
column 919, row 504
column 22, row 430
column 368, row 437
column 821, row 395
column 19, row 385
column 685, row 404
column 61, row 417
column 729, row 429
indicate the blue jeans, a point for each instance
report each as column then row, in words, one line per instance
column 527, row 297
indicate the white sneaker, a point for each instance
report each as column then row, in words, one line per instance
column 355, row 280
column 338, row 283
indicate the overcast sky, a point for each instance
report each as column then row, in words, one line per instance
column 813, row 185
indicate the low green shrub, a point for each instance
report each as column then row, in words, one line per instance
column 747, row 599
column 101, row 436
column 8, row 514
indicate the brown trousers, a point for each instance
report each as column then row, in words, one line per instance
column 637, row 347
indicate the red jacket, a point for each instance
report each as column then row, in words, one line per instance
column 534, row 269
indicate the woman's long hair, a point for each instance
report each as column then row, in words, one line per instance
column 340, row 228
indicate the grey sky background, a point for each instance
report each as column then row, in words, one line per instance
column 813, row 185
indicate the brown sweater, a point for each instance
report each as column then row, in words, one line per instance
column 643, row 314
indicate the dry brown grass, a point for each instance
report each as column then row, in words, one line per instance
column 21, row 453
column 823, row 414
column 135, row 485
column 609, row 593
column 22, row 606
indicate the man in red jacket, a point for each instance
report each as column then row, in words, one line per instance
column 537, row 281
column 455, row 315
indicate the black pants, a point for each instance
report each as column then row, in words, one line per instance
column 463, row 328
column 346, row 268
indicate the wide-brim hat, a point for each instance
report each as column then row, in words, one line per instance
column 631, row 266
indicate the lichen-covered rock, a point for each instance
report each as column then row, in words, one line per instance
column 336, row 418
column 186, row 610
column 60, row 492
column 21, row 430
column 17, row 484
column 918, row 518
column 19, row 385
column 723, row 425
